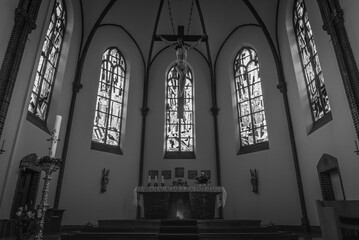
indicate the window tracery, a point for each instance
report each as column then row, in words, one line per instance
column 179, row 137
column 108, row 118
column 314, row 80
column 249, row 98
column 47, row 67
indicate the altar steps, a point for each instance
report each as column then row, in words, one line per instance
column 179, row 229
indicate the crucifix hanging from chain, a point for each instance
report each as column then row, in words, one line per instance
column 181, row 66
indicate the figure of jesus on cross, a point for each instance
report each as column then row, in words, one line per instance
column 181, row 66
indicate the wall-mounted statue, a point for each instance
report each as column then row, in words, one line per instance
column 254, row 180
column 104, row 179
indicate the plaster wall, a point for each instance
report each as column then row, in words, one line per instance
column 81, row 197
column 277, row 201
column 204, row 137
column 336, row 137
column 22, row 137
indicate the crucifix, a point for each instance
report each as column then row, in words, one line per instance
column 177, row 42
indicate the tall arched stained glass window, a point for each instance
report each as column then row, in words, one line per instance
column 108, row 121
column 318, row 97
column 48, row 63
column 251, row 116
column 179, row 136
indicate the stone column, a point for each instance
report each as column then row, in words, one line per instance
column 333, row 20
column 25, row 21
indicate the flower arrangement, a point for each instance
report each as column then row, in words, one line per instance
column 179, row 183
column 28, row 222
column 202, row 179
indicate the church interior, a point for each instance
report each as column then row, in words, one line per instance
column 139, row 111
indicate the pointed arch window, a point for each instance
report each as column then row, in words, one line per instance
column 253, row 134
column 314, row 80
column 179, row 129
column 47, row 67
column 107, row 134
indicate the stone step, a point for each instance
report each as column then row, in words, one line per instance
column 178, row 229
column 109, row 236
column 178, row 236
column 249, row 236
column 175, row 222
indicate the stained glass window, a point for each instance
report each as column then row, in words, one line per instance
column 108, row 118
column 179, row 113
column 47, row 66
column 318, row 97
column 248, row 91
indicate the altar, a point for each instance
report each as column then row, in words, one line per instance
column 179, row 202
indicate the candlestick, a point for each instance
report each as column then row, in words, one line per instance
column 55, row 136
column 48, row 165
column 162, row 180
column 149, row 180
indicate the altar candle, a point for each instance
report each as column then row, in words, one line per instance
column 162, row 179
column 156, row 179
column 55, row 136
column 149, row 178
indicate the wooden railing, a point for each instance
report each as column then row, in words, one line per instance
column 7, row 228
column 339, row 220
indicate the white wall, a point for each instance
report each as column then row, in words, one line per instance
column 82, row 179
column 22, row 137
column 204, row 136
column 277, row 201
column 336, row 137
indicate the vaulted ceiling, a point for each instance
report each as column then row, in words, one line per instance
column 142, row 19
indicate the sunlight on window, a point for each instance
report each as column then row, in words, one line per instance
column 48, row 63
column 318, row 97
column 250, row 106
column 110, row 98
column 179, row 113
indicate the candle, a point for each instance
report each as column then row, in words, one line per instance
column 55, row 136
column 156, row 179
column 162, row 179
column 149, row 178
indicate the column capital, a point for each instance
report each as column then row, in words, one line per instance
column 21, row 16
column 144, row 111
column 77, row 86
column 282, row 86
column 214, row 110
column 336, row 17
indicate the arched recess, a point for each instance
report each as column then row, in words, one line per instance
column 300, row 79
column 56, row 98
column 27, row 184
column 330, row 178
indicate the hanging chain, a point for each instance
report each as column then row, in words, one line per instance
column 190, row 17
column 169, row 9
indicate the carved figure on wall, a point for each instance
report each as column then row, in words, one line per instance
column 104, row 179
column 254, row 180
